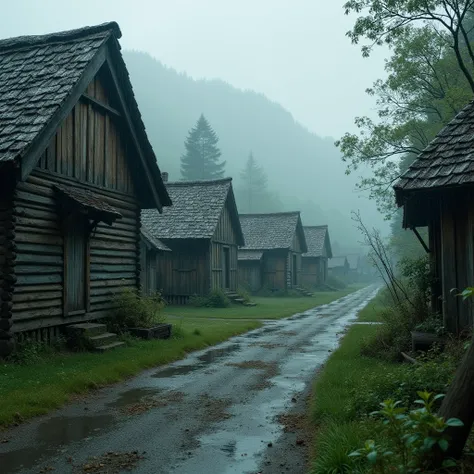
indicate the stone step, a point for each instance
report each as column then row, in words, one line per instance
column 239, row 300
column 103, row 339
column 109, row 347
column 87, row 329
column 250, row 304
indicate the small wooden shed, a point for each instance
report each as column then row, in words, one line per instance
column 76, row 167
column 437, row 191
column 338, row 266
column 202, row 230
column 314, row 266
column 271, row 257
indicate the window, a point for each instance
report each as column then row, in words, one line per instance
column 76, row 278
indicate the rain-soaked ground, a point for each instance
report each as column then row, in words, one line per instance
column 219, row 411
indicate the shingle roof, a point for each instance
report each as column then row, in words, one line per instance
column 88, row 201
column 271, row 231
column 447, row 161
column 39, row 73
column 153, row 241
column 353, row 261
column 196, row 210
column 316, row 237
column 336, row 262
column 249, row 255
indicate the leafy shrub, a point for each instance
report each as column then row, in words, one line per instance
column 244, row 294
column 336, row 282
column 135, row 311
column 215, row 299
column 31, row 351
column 413, row 437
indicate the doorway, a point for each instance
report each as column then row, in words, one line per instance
column 226, row 267
column 295, row 271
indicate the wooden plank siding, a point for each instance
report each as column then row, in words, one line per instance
column 314, row 271
column 275, row 269
column 224, row 238
column 250, row 275
column 112, row 262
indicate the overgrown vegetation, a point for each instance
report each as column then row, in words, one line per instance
column 135, row 311
column 215, row 299
column 336, row 282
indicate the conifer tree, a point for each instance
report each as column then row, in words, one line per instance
column 201, row 160
column 254, row 185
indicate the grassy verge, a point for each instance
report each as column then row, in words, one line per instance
column 338, row 426
column 267, row 307
column 372, row 312
column 51, row 381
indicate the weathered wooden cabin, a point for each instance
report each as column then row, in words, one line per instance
column 152, row 250
column 338, row 267
column 437, row 191
column 314, row 263
column 76, row 167
column 202, row 230
column 271, row 257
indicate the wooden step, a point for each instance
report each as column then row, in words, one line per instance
column 250, row 304
column 109, row 347
column 87, row 329
column 103, row 339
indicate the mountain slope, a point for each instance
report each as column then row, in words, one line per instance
column 304, row 169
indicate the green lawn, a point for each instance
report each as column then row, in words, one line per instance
column 39, row 387
column 338, row 429
column 372, row 312
column 267, row 307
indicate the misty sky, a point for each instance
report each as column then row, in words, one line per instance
column 293, row 51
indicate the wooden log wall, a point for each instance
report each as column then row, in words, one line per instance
column 250, row 274
column 310, row 273
column 39, row 267
column 7, row 273
column 275, row 272
column 224, row 236
column 185, row 271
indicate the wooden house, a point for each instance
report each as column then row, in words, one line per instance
column 437, row 192
column 76, row 167
column 271, row 257
column 152, row 250
column 202, row 230
column 314, row 263
column 338, row 266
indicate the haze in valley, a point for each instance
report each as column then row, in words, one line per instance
column 278, row 78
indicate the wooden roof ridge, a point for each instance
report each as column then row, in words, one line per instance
column 282, row 213
column 200, row 182
column 27, row 41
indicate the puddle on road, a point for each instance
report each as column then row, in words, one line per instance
column 133, row 396
column 212, row 355
column 176, row 370
column 51, row 435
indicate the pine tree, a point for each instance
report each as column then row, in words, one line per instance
column 201, row 160
column 254, row 185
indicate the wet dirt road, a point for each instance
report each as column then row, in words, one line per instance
column 216, row 412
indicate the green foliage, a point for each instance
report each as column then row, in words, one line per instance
column 244, row 294
column 135, row 311
column 30, row 351
column 215, row 299
column 424, row 89
column 336, row 282
column 201, row 160
column 253, row 187
column 413, row 437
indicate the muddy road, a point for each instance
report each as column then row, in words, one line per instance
column 219, row 411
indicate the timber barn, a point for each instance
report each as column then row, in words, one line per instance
column 202, row 230
column 338, row 266
column 314, row 263
column 271, row 257
column 437, row 191
column 76, row 168
column 151, row 253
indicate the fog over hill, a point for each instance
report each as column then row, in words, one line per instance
column 304, row 170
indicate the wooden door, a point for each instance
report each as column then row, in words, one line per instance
column 76, row 280
column 295, row 273
column 226, row 267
